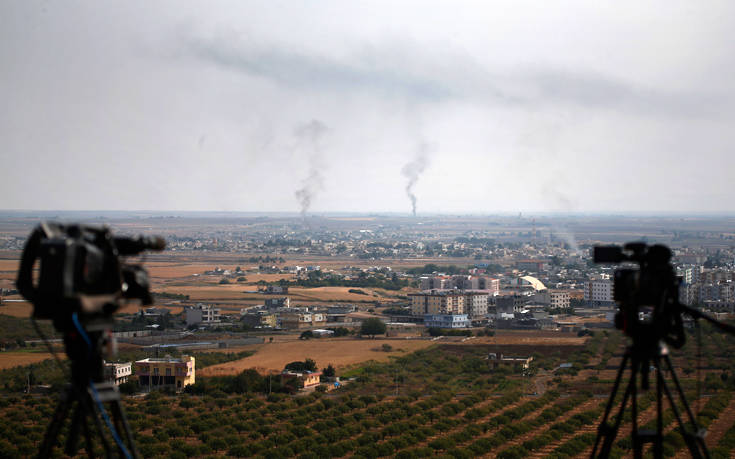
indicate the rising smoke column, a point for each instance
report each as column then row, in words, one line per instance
column 309, row 137
column 413, row 170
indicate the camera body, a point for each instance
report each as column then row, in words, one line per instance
column 80, row 271
column 647, row 296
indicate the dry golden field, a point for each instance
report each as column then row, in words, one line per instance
column 14, row 359
column 340, row 352
column 344, row 352
column 16, row 309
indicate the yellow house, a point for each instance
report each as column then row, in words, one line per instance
column 308, row 378
column 154, row 373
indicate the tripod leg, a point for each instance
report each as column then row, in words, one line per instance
column 694, row 441
column 72, row 442
column 610, row 438
column 660, row 383
column 91, row 409
column 603, row 428
column 89, row 446
column 637, row 443
column 122, row 421
column 52, row 432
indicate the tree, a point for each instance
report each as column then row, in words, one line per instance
column 306, row 365
column 329, row 371
column 372, row 326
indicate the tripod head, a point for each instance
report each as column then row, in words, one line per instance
column 649, row 310
column 81, row 282
column 647, row 295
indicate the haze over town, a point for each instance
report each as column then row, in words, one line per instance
column 510, row 106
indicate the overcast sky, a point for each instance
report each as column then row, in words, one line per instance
column 322, row 106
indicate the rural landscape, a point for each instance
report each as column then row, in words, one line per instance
column 531, row 379
column 368, row 229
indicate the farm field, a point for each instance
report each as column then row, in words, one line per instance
column 341, row 353
column 15, row 359
column 440, row 401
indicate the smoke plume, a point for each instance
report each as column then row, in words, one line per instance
column 413, row 170
column 309, row 138
column 565, row 235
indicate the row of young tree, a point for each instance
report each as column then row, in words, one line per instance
column 440, row 400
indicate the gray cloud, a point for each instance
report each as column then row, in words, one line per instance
column 413, row 73
column 597, row 91
column 311, row 71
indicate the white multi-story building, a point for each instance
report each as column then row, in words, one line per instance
column 118, row 372
column 475, row 304
column 599, row 292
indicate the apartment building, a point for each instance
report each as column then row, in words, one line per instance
column 437, row 302
column 202, row 314
column 460, row 283
column 599, row 292
column 156, row 373
column 475, row 304
column 559, row 299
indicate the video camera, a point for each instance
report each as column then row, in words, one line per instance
column 81, row 272
column 648, row 296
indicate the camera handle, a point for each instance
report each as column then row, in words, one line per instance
column 697, row 314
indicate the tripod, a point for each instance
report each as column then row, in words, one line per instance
column 642, row 358
column 87, row 395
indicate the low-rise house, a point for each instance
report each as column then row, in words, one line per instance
column 261, row 319
column 306, row 379
column 446, row 321
column 300, row 319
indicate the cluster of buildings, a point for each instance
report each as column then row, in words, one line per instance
column 278, row 313
column 522, row 304
column 713, row 289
